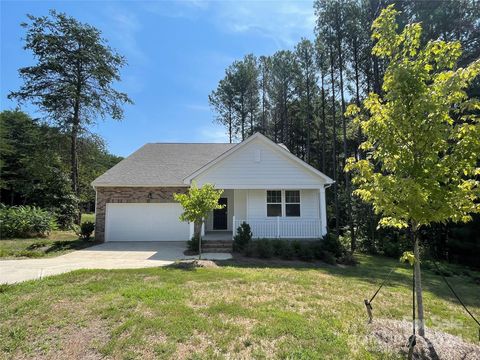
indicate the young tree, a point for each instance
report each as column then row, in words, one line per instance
column 197, row 204
column 72, row 80
column 422, row 136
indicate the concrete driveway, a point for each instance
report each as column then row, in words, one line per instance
column 111, row 255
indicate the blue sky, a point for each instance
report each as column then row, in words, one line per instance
column 177, row 51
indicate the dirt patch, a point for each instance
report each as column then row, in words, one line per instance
column 192, row 264
column 393, row 335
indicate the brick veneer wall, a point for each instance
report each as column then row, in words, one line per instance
column 129, row 195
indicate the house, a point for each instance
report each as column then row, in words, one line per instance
column 265, row 185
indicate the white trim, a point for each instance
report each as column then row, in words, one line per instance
column 266, row 187
column 147, row 185
column 281, row 149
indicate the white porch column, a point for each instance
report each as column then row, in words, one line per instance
column 192, row 229
column 323, row 211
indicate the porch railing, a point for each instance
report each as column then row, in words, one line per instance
column 281, row 227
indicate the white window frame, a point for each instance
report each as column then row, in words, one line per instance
column 274, row 203
column 283, row 203
column 299, row 203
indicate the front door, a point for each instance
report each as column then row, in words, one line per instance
column 220, row 216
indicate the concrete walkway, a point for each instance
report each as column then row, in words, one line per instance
column 112, row 255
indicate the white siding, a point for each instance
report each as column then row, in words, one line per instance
column 240, row 204
column 259, row 165
column 257, row 204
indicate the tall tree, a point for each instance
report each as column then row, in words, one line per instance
column 265, row 67
column 222, row 101
column 72, row 79
column 422, row 136
column 306, row 88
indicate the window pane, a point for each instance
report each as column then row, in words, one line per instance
column 274, row 196
column 292, row 209
column 292, row 196
column 274, row 210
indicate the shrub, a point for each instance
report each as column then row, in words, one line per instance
column 192, row 244
column 264, row 248
column 249, row 249
column 243, row 237
column 296, row 246
column 347, row 259
column 278, row 247
column 329, row 258
column 332, row 244
column 25, row 221
column 86, row 230
column 305, row 252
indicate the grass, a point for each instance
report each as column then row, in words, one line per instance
column 58, row 243
column 235, row 311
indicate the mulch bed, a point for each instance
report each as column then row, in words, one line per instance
column 392, row 335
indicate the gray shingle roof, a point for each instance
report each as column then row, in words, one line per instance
column 160, row 164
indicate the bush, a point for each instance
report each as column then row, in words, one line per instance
column 329, row 258
column 264, row 248
column 192, row 244
column 347, row 259
column 288, row 252
column 332, row 244
column 305, row 252
column 25, row 221
column 86, row 230
column 243, row 237
column 249, row 249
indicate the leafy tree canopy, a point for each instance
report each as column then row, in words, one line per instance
column 423, row 133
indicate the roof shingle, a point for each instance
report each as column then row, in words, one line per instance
column 161, row 164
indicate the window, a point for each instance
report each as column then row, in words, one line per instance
column 292, row 202
column 274, row 203
column 277, row 200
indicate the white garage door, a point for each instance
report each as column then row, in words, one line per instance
column 145, row 222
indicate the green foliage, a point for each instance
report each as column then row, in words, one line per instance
column 422, row 134
column 71, row 83
column 242, row 238
column 332, row 244
column 409, row 257
column 28, row 179
column 264, row 248
column 197, row 204
column 193, row 244
column 25, row 221
column 86, row 230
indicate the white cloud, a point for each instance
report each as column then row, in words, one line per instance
column 284, row 22
column 124, row 28
column 211, row 134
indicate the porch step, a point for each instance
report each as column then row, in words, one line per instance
column 217, row 245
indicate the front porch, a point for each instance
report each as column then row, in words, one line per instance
column 301, row 218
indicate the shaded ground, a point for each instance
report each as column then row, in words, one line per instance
column 58, row 243
column 240, row 311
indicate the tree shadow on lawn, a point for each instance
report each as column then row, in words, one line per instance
column 374, row 270
column 66, row 245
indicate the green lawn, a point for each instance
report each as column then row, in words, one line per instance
column 58, row 243
column 235, row 311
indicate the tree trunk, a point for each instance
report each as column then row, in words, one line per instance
column 418, row 284
column 324, row 127
column 334, row 147
column 197, row 233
